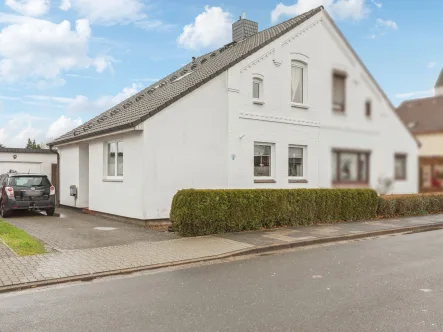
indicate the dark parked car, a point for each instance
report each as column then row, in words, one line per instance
column 26, row 192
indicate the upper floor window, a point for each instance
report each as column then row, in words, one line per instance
column 339, row 92
column 114, row 160
column 299, row 90
column 368, row 109
column 257, row 90
column 400, row 167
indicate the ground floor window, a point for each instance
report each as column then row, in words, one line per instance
column 262, row 160
column 350, row 166
column 114, row 159
column 296, row 160
column 431, row 174
column 400, row 167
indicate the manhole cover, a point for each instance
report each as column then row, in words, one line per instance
column 105, row 228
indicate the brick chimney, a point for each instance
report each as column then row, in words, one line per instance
column 243, row 29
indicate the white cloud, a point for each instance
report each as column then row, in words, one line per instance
column 82, row 103
column 388, row 24
column 377, row 4
column 211, row 28
column 19, row 128
column 29, row 7
column 154, row 25
column 61, row 126
column 107, row 12
column 431, row 64
column 415, row 94
column 65, row 5
column 339, row 9
column 39, row 49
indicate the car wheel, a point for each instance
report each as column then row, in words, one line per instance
column 3, row 212
column 50, row 212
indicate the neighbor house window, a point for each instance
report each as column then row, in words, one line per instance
column 114, row 157
column 298, row 83
column 296, row 161
column 400, row 166
column 262, row 160
column 368, row 109
column 257, row 90
column 339, row 92
column 350, row 166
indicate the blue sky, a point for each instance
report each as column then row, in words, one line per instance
column 64, row 61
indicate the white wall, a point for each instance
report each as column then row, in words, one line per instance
column 185, row 146
column 122, row 198
column 317, row 43
column 41, row 162
column 69, row 173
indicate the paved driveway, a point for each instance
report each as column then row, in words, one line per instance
column 75, row 230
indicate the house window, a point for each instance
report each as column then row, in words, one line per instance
column 350, row 166
column 257, row 90
column 298, row 83
column 114, row 158
column 296, row 161
column 368, row 109
column 339, row 92
column 400, row 166
column 262, row 160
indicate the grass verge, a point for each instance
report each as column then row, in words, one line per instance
column 20, row 241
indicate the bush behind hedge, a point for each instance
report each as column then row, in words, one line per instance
column 390, row 206
column 202, row 212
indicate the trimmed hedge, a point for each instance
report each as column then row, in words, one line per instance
column 203, row 212
column 409, row 205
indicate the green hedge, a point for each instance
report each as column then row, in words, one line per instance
column 202, row 212
column 390, row 206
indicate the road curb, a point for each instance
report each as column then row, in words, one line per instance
column 243, row 252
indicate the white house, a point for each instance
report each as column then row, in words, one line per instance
column 29, row 161
column 288, row 107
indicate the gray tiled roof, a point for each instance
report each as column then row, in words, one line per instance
column 422, row 115
column 158, row 96
column 18, row 150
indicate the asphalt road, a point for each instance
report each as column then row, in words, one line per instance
column 389, row 284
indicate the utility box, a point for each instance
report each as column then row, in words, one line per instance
column 73, row 190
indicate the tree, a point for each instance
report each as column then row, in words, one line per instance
column 2, row 146
column 32, row 145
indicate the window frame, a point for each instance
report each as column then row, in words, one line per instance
column 112, row 178
column 404, row 158
column 257, row 78
column 338, row 180
column 304, row 66
column 271, row 177
column 303, row 178
column 344, row 76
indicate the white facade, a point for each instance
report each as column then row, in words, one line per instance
column 206, row 139
column 26, row 162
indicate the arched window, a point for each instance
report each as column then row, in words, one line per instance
column 299, row 83
column 257, row 89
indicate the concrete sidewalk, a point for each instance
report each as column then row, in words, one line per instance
column 84, row 264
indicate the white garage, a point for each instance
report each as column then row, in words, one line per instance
column 29, row 161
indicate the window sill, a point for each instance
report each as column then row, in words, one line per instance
column 337, row 112
column 264, row 181
column 298, row 181
column 400, row 179
column 297, row 105
column 113, row 180
column 350, row 184
column 258, row 102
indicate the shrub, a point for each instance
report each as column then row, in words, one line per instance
column 202, row 212
column 409, row 205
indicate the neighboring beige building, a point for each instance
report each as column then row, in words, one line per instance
column 424, row 117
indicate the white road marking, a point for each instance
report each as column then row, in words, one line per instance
column 426, row 290
column 105, row 228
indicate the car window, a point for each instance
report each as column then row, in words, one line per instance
column 29, row 181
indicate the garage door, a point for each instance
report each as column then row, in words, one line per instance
column 20, row 167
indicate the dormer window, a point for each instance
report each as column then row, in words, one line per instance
column 257, row 90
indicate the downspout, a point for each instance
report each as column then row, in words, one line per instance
column 57, row 190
